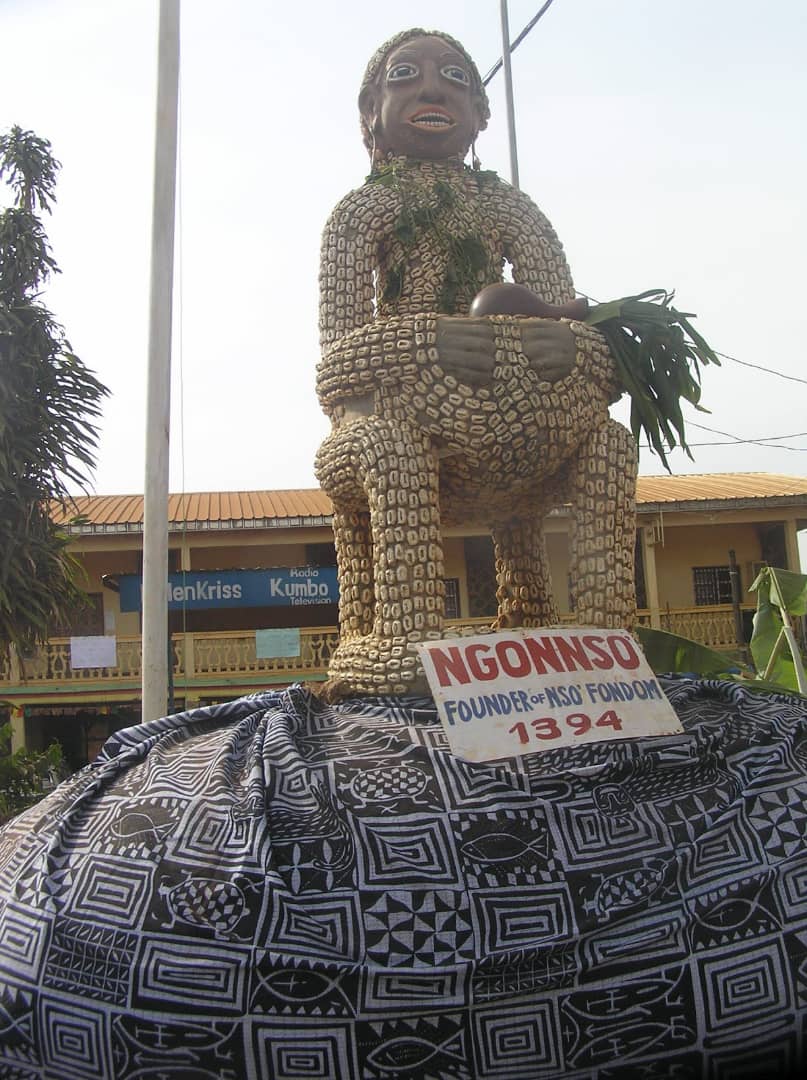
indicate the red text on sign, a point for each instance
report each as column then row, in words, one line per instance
column 547, row 727
column 517, row 658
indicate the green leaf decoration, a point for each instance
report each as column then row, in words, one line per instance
column 423, row 212
column 486, row 177
column 658, row 357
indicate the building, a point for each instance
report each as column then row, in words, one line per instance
column 252, row 598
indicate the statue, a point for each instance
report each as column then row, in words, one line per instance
column 441, row 417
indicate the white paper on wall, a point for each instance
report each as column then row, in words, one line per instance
column 98, row 651
column 277, row 643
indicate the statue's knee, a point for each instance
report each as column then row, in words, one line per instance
column 339, row 466
column 335, row 468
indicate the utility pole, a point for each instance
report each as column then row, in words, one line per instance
column 508, row 90
column 158, row 403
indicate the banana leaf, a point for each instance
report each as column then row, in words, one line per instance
column 670, row 654
column 777, row 590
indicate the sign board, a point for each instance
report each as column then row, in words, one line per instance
column 287, row 586
column 284, row 642
column 93, row 652
column 521, row 691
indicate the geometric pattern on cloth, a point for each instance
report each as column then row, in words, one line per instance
column 277, row 887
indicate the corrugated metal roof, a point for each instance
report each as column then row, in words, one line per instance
column 212, row 509
column 311, row 506
column 718, row 487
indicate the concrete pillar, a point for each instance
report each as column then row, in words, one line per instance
column 792, row 547
column 17, row 728
column 190, row 656
column 184, row 555
column 650, row 575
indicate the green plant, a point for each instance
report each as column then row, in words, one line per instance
column 22, row 773
column 780, row 594
column 49, row 402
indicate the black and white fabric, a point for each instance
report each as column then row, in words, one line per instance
column 277, row 888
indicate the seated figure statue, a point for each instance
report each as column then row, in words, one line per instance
column 441, row 417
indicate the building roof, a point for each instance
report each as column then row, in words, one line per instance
column 204, row 511
column 306, row 507
column 720, row 491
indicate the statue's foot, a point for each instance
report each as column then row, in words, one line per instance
column 373, row 665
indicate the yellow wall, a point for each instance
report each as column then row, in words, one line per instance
column 701, row 545
column 243, row 557
column 454, row 567
column 557, row 549
column 694, row 541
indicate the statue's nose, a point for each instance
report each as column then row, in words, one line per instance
column 432, row 88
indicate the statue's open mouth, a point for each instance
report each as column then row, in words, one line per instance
column 432, row 118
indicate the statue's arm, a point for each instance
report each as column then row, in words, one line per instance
column 532, row 247
column 347, row 261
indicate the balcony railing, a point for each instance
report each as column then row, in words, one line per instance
column 712, row 625
column 196, row 657
column 230, row 656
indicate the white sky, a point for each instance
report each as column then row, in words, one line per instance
column 663, row 138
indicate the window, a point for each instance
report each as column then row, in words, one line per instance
column 712, row 584
column 85, row 621
column 452, row 585
column 320, row 555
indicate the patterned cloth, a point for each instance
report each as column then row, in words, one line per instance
column 280, row 888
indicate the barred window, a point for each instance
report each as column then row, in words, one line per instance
column 712, row 584
column 452, row 585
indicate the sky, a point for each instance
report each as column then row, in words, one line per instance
column 664, row 140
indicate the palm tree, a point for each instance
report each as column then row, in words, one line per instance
column 49, row 402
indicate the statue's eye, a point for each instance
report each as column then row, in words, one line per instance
column 456, row 74
column 399, row 72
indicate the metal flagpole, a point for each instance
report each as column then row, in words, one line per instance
column 158, row 403
column 508, row 89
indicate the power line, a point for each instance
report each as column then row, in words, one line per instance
column 763, row 440
column 752, row 442
column 771, row 441
column 743, row 363
column 759, row 367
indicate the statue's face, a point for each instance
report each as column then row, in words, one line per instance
column 424, row 105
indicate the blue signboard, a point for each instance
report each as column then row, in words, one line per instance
column 285, row 586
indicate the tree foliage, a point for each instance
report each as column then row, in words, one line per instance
column 49, row 402
column 23, row 773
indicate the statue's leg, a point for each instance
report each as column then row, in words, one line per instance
column 388, row 467
column 354, row 559
column 524, row 585
column 338, row 475
column 602, row 489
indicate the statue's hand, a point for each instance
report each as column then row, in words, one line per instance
column 549, row 346
column 467, row 348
